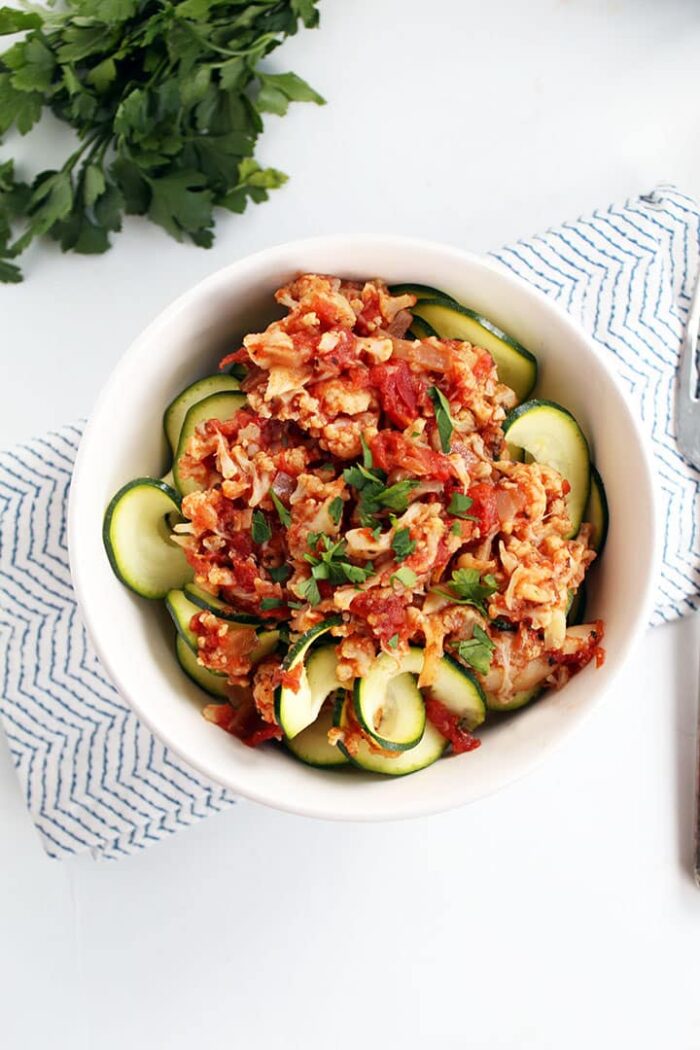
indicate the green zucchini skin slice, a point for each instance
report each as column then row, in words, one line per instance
column 213, row 684
column 459, row 691
column 136, row 536
column 174, row 415
column 430, row 748
column 182, row 610
column 311, row 745
column 453, row 685
column 516, row 366
column 597, row 512
column 526, row 696
column 551, row 435
column 420, row 329
column 297, row 709
column 421, row 291
column 223, row 406
column 577, row 607
column 204, row 600
column 387, row 702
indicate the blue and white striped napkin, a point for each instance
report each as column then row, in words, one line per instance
column 96, row 779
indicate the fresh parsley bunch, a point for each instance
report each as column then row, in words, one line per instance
column 166, row 98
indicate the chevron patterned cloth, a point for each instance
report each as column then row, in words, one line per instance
column 94, row 778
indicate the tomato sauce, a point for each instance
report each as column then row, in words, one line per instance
column 450, row 726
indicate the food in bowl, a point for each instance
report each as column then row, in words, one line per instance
column 371, row 537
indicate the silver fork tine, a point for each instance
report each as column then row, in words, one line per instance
column 687, row 405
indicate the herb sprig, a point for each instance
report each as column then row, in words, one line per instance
column 374, row 495
column 469, row 587
column 166, row 99
column 476, row 651
column 330, row 563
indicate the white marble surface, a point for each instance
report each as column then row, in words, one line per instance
column 559, row 913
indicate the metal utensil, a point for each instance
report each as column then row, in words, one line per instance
column 688, row 428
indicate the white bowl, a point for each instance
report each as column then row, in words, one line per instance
column 124, row 439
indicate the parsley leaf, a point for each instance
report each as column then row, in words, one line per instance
column 469, row 587
column 280, row 573
column 330, row 563
column 476, row 651
column 12, row 21
column 443, row 418
column 393, row 641
column 260, row 529
column 405, row 576
column 396, row 496
column 402, row 544
column 165, row 101
column 374, row 495
column 335, row 510
column 309, row 590
column 284, row 515
column 356, row 573
column 459, row 505
column 367, row 460
column 270, row 603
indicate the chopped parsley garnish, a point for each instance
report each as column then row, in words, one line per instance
column 375, row 495
column 477, row 651
column 396, row 496
column 402, row 544
column 443, row 418
column 283, row 514
column 356, row 573
column 393, row 641
column 456, row 529
column 280, row 573
column 331, row 564
column 335, row 510
column 459, row 505
column 405, row 576
column 469, row 587
column 367, row 460
column 270, row 603
column 260, row 529
column 309, row 590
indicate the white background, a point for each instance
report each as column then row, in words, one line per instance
column 560, row 913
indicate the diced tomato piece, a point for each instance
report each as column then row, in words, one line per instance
column 221, row 715
column 234, row 358
column 243, row 722
column 483, row 508
column 399, row 391
column 267, row 732
column 449, row 725
column 292, row 679
column 391, row 449
column 246, row 573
